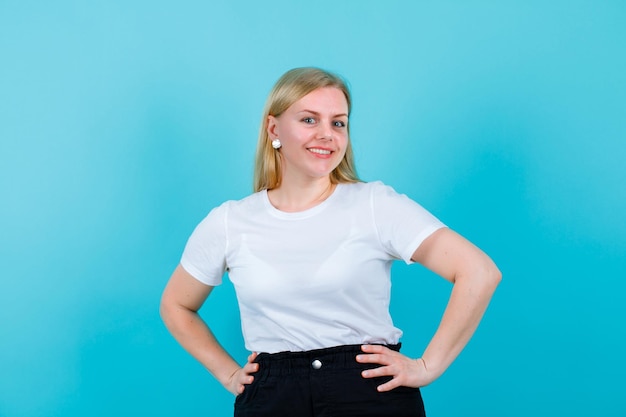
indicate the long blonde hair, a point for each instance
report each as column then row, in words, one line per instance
column 291, row 87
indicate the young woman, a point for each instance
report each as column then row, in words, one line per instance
column 309, row 254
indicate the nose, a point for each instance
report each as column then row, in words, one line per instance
column 325, row 131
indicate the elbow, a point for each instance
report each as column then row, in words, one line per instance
column 483, row 275
column 492, row 275
column 174, row 314
column 497, row 276
column 165, row 310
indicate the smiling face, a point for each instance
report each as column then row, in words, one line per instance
column 314, row 134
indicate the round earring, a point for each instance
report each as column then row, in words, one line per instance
column 276, row 143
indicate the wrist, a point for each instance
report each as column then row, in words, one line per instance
column 227, row 376
column 434, row 367
column 231, row 382
column 422, row 362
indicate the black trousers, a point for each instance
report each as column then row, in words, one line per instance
column 322, row 383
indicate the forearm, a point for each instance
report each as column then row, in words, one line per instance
column 468, row 302
column 195, row 337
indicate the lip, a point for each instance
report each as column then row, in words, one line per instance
column 320, row 152
column 321, row 148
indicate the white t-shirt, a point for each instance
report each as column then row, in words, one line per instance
column 316, row 278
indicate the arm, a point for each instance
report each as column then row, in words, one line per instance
column 475, row 278
column 182, row 298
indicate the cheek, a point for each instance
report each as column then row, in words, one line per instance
column 294, row 135
column 345, row 142
column 342, row 152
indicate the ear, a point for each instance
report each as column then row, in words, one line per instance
column 272, row 123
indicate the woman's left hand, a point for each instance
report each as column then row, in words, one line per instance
column 403, row 370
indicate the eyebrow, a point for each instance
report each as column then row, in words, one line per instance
column 317, row 114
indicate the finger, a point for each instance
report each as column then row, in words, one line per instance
column 371, row 358
column 379, row 358
column 377, row 372
column 383, row 351
column 244, row 380
column 238, row 388
column 250, row 368
column 374, row 348
column 388, row 386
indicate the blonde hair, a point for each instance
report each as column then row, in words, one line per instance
column 291, row 87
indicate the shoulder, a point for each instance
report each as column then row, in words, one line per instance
column 249, row 202
column 219, row 215
column 371, row 190
column 365, row 188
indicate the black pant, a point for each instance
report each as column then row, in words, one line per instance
column 322, row 383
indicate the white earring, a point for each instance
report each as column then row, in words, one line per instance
column 276, row 143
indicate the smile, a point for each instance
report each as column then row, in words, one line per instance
column 320, row 151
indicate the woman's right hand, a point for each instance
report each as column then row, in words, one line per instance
column 243, row 376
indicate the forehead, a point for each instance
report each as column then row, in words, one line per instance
column 322, row 100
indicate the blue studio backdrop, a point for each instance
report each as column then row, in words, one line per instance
column 122, row 123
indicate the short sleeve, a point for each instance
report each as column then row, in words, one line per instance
column 204, row 256
column 401, row 223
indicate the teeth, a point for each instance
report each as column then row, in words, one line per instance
column 320, row 151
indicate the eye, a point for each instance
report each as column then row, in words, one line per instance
column 339, row 123
column 308, row 120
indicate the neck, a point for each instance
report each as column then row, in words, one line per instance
column 299, row 196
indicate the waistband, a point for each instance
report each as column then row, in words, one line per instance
column 337, row 357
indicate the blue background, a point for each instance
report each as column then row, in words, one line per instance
column 122, row 123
